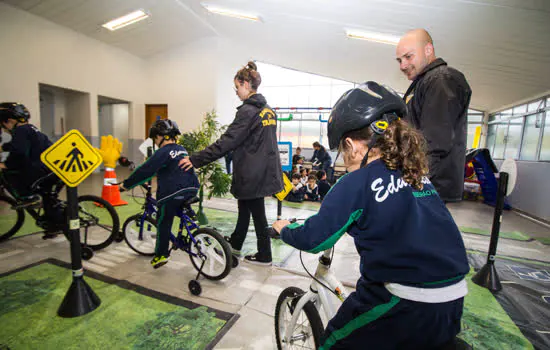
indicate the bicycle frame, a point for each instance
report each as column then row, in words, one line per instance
column 180, row 241
column 319, row 295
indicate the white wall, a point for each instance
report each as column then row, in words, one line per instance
column 43, row 52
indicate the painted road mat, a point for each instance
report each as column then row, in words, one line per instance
column 129, row 317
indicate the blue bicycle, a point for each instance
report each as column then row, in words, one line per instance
column 209, row 252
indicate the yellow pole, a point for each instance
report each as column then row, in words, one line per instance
column 477, row 137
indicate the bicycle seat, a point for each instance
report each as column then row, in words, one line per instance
column 191, row 201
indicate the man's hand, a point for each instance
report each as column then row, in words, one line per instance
column 110, row 150
column 279, row 225
column 121, row 188
column 185, row 164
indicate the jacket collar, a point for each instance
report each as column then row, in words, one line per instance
column 257, row 100
column 436, row 63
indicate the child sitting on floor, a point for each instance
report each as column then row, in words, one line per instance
column 298, row 190
column 312, row 190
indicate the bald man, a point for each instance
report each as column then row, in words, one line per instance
column 437, row 103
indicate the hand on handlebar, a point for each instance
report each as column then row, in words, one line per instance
column 279, row 225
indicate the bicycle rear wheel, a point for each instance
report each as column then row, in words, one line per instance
column 142, row 238
column 308, row 330
column 11, row 219
column 216, row 252
column 99, row 223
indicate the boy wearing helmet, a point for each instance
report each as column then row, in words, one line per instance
column 23, row 167
column 412, row 257
column 174, row 185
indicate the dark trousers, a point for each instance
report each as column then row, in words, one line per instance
column 379, row 320
column 256, row 207
column 167, row 211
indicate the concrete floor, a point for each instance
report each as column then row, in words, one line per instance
column 250, row 290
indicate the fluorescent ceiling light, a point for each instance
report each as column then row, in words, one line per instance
column 372, row 36
column 231, row 13
column 125, row 20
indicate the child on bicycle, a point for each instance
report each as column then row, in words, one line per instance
column 23, row 168
column 174, row 185
column 412, row 257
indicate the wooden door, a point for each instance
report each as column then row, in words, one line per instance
column 151, row 114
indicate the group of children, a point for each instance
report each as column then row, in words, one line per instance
column 308, row 186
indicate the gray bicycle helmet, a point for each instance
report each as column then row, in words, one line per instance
column 13, row 110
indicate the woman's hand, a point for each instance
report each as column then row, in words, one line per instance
column 279, row 225
column 186, row 164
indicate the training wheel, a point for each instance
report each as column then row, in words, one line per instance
column 195, row 287
column 234, row 261
column 87, row 253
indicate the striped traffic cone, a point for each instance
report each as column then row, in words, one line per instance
column 110, row 192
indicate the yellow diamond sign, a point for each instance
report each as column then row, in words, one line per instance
column 72, row 158
column 288, row 187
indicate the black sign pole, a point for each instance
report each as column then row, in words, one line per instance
column 487, row 277
column 80, row 298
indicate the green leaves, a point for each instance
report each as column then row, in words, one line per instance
column 212, row 177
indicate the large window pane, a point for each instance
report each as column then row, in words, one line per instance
column 530, row 138
column 533, row 106
column 311, row 132
column 475, row 118
column 545, row 146
column 319, row 96
column 290, row 131
column 500, row 141
column 491, row 136
column 520, row 109
column 514, row 138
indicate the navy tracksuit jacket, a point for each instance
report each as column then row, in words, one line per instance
column 402, row 235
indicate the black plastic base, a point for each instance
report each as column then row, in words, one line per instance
column 487, row 277
column 79, row 300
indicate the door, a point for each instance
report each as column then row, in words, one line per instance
column 152, row 112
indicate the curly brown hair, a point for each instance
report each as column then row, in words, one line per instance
column 401, row 148
column 250, row 74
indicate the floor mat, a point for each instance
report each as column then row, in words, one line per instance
column 129, row 317
column 516, row 235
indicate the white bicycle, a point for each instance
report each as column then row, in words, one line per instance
column 300, row 316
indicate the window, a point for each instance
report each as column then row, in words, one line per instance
column 513, row 138
column 471, row 134
column 530, row 141
column 491, row 133
column 500, row 141
column 545, row 145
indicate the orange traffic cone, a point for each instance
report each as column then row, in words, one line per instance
column 110, row 192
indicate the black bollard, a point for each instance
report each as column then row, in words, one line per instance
column 487, row 277
column 80, row 298
column 279, row 209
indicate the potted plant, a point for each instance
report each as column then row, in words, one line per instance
column 212, row 177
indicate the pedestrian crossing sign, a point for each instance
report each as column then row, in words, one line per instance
column 72, row 158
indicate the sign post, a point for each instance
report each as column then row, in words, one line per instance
column 73, row 159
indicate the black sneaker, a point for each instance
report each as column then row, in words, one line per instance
column 253, row 259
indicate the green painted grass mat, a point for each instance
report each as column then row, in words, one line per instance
column 129, row 317
column 544, row 240
column 485, row 324
column 516, row 235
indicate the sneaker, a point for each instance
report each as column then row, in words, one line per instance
column 159, row 261
column 253, row 259
column 233, row 250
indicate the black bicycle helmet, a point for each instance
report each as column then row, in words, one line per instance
column 363, row 106
column 13, row 110
column 164, row 127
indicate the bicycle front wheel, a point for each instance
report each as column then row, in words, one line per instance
column 99, row 223
column 141, row 237
column 11, row 219
column 306, row 333
column 214, row 250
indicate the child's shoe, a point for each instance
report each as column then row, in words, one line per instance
column 159, row 261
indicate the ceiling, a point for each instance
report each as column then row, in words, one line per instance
column 500, row 45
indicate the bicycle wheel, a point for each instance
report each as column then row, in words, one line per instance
column 308, row 330
column 99, row 223
column 144, row 244
column 11, row 219
column 215, row 249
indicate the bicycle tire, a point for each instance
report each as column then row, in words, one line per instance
column 99, row 240
column 202, row 237
column 287, row 300
column 7, row 210
column 147, row 249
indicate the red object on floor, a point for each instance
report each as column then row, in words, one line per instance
column 110, row 192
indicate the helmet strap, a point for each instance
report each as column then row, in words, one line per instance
column 370, row 146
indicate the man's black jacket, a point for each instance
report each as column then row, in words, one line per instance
column 437, row 104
